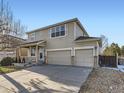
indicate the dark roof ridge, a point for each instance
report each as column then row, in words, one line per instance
column 59, row 23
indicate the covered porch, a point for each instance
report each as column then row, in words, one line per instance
column 32, row 52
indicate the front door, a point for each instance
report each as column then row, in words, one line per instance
column 41, row 55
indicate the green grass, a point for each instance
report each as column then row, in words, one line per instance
column 7, row 69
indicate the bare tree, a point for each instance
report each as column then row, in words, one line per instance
column 104, row 42
column 10, row 29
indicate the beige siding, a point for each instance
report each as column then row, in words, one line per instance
column 42, row 35
column 63, row 42
column 79, row 32
column 59, row 42
column 87, row 43
column 24, row 52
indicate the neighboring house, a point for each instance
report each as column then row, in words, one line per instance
column 6, row 48
column 64, row 43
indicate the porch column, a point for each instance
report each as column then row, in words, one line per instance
column 19, row 52
column 29, row 52
column 36, row 53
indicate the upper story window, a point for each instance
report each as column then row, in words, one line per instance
column 32, row 36
column 58, row 31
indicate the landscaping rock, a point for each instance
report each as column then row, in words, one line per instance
column 103, row 80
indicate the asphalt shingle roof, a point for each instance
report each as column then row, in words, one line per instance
column 85, row 38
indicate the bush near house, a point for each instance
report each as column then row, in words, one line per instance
column 6, row 65
column 7, row 61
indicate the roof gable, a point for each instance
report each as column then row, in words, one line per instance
column 60, row 23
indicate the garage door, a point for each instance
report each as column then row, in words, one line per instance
column 84, row 58
column 59, row 57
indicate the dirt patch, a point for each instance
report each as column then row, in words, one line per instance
column 102, row 80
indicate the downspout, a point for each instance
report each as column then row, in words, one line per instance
column 98, row 54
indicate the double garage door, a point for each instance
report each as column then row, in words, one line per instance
column 83, row 57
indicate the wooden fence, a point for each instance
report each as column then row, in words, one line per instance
column 107, row 61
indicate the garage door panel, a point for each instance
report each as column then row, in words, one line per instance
column 59, row 57
column 84, row 58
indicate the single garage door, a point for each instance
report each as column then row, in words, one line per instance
column 61, row 57
column 84, row 57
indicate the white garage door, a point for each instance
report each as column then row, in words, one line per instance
column 84, row 57
column 62, row 57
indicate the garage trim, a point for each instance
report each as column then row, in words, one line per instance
column 58, row 49
column 85, row 47
column 73, row 49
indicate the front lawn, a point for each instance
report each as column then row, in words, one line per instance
column 7, row 69
column 103, row 80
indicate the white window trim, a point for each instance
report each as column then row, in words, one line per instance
column 59, row 36
column 32, row 36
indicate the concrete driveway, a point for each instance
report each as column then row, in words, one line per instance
column 44, row 79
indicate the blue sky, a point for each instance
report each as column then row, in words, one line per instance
column 99, row 17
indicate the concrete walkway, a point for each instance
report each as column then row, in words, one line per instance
column 44, row 79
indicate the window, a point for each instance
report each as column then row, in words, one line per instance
column 62, row 30
column 32, row 51
column 53, row 32
column 32, row 36
column 58, row 31
column 41, row 55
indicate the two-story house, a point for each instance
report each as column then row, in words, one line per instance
column 64, row 43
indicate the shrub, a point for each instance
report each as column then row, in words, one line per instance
column 7, row 61
column 14, row 59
